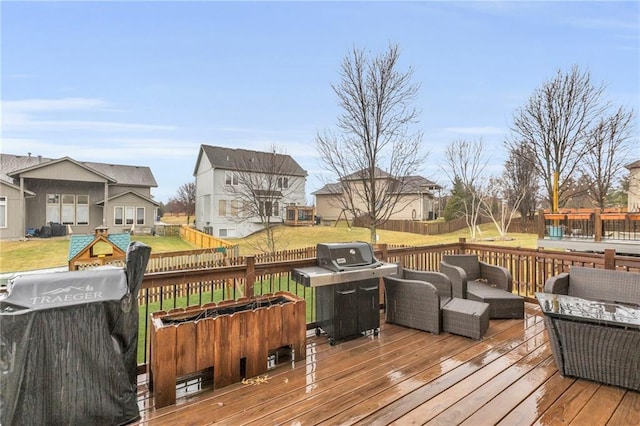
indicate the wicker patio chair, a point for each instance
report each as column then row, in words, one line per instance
column 423, row 300
column 415, row 302
column 475, row 280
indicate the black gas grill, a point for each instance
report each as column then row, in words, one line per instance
column 347, row 288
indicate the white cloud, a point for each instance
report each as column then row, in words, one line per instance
column 64, row 104
column 22, row 116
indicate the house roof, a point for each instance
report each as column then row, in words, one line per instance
column 329, row 189
column 364, row 173
column 78, row 243
column 12, row 165
column 27, row 193
column 230, row 159
column 412, row 184
column 634, row 165
column 419, row 184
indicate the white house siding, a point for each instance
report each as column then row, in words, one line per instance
column 204, row 191
column 211, row 189
column 633, row 202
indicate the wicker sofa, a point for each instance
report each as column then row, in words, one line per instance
column 595, row 350
column 423, row 300
column 475, row 280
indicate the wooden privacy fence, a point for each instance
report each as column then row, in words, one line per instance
column 437, row 228
column 202, row 240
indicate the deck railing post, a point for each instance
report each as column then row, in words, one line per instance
column 541, row 226
column 462, row 241
column 597, row 223
column 250, row 276
column 609, row 258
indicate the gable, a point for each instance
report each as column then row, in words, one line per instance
column 63, row 170
column 129, row 197
column 79, row 243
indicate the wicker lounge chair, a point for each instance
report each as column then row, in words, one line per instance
column 479, row 281
column 423, row 300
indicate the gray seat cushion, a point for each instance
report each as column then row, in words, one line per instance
column 502, row 303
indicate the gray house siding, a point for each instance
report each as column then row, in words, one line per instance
column 36, row 207
column 130, row 200
column 12, row 211
column 80, row 194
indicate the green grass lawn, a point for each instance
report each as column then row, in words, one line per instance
column 39, row 253
column 290, row 238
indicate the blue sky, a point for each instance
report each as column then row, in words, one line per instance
column 146, row 83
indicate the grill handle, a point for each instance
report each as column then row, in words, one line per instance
column 346, row 291
column 369, row 288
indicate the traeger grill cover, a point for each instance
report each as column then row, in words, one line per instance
column 68, row 345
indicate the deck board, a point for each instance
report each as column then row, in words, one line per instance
column 404, row 376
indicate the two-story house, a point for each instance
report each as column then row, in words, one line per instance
column 38, row 193
column 633, row 202
column 236, row 189
column 417, row 201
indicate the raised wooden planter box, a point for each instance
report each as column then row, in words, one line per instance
column 233, row 337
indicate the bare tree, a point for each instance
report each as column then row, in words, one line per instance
column 519, row 181
column 374, row 149
column 556, row 124
column 607, row 153
column 259, row 186
column 465, row 167
column 508, row 200
column 185, row 200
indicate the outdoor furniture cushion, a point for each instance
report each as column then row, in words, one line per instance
column 491, row 284
column 466, row 317
column 597, row 284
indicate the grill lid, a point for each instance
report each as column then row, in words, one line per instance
column 346, row 256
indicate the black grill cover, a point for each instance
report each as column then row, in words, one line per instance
column 346, row 256
column 68, row 345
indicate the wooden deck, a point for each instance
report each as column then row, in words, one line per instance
column 404, row 376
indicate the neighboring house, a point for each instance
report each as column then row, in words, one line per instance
column 218, row 211
column 633, row 203
column 417, row 201
column 39, row 193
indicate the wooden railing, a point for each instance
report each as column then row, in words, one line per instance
column 530, row 268
column 591, row 224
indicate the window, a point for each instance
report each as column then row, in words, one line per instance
column 53, row 208
column 3, row 212
column 82, row 209
column 230, row 178
column 118, row 216
column 129, row 212
column 222, row 207
column 268, row 208
column 139, row 215
column 68, row 209
column 236, row 206
column 129, row 215
column 283, row 182
column 231, row 232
